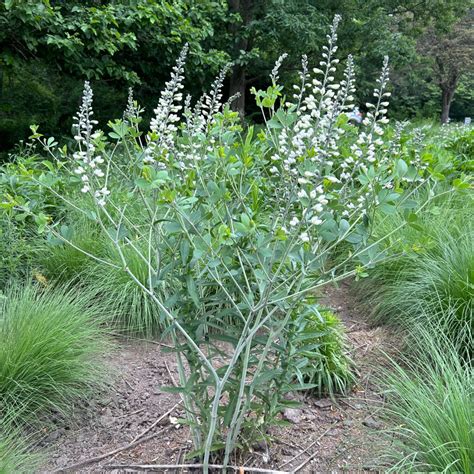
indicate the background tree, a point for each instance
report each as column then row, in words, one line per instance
column 452, row 56
column 47, row 48
column 260, row 30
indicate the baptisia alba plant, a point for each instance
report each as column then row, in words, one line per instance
column 235, row 228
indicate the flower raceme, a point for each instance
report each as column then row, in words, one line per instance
column 306, row 138
column 231, row 229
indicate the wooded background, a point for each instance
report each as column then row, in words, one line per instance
column 48, row 48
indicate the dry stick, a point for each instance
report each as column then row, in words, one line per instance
column 95, row 459
column 303, row 464
column 149, row 341
column 173, row 381
column 143, row 433
column 348, row 404
column 304, row 450
column 136, row 412
column 280, row 441
column 145, row 467
column 128, row 384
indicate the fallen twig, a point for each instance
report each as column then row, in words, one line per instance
column 303, row 464
column 173, row 381
column 144, row 432
column 347, row 404
column 304, row 450
column 128, row 384
column 95, row 459
column 136, row 412
column 146, row 467
column 140, row 339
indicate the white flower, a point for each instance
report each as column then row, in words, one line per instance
column 315, row 220
column 304, row 237
column 302, row 194
column 294, row 221
column 345, row 176
column 322, row 199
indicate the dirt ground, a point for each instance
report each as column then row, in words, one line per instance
column 326, row 436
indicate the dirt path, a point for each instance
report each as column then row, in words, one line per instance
column 343, row 436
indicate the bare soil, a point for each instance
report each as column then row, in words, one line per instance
column 327, row 436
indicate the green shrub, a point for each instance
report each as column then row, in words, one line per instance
column 67, row 261
column 319, row 352
column 17, row 248
column 430, row 397
column 50, row 349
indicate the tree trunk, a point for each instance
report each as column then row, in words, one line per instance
column 447, row 98
column 447, row 93
column 238, row 82
column 238, row 79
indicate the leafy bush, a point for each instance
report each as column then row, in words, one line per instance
column 462, row 144
column 67, row 257
column 318, row 354
column 234, row 230
column 430, row 398
column 50, row 349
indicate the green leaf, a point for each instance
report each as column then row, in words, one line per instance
column 192, row 290
column 41, row 220
column 184, row 251
column 401, row 168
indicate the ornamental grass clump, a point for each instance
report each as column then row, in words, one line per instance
column 16, row 452
column 15, row 455
column 50, row 351
column 65, row 259
column 428, row 277
column 235, row 229
column 129, row 308
column 429, row 400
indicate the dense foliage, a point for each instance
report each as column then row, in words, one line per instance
column 47, row 48
column 217, row 235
